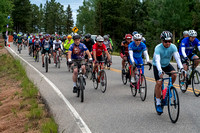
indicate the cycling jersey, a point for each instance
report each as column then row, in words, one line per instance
column 78, row 51
column 164, row 53
column 67, row 44
column 19, row 40
column 46, row 44
column 107, row 43
column 89, row 44
column 57, row 44
column 137, row 50
column 124, row 48
column 99, row 49
column 30, row 40
column 37, row 43
column 188, row 45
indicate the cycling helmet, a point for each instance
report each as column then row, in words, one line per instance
column 185, row 33
column 137, row 36
column 88, row 36
column 128, row 36
column 57, row 37
column 166, row 35
column 134, row 32
column 192, row 33
column 100, row 39
column 69, row 36
column 106, row 37
column 76, row 37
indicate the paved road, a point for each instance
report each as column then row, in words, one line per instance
column 115, row 111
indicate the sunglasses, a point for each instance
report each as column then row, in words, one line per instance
column 137, row 40
column 168, row 41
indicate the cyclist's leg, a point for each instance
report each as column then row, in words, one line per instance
column 157, row 88
column 196, row 62
column 184, row 62
column 123, row 60
column 83, row 66
column 170, row 68
column 75, row 74
column 54, row 56
column 43, row 53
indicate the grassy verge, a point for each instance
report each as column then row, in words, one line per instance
column 38, row 118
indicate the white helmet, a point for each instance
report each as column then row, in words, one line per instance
column 100, row 39
column 185, row 33
column 137, row 36
column 192, row 33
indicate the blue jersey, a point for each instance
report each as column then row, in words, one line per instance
column 77, row 51
column 188, row 45
column 165, row 54
column 137, row 50
column 46, row 44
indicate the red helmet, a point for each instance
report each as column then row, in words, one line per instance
column 128, row 36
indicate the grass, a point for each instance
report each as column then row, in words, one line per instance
column 14, row 70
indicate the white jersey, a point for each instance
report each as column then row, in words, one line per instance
column 57, row 44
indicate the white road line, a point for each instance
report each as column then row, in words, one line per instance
column 79, row 121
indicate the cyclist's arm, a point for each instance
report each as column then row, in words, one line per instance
column 69, row 55
column 158, row 65
column 88, row 53
column 177, row 58
column 122, row 48
column 183, row 52
column 108, row 55
column 61, row 46
column 131, row 55
column 53, row 46
column 146, row 55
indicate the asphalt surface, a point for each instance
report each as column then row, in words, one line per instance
column 116, row 110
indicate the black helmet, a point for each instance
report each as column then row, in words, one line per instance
column 166, row 35
column 88, row 36
column 76, row 37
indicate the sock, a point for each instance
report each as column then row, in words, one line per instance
column 158, row 101
column 74, row 83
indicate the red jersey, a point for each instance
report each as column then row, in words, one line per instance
column 99, row 49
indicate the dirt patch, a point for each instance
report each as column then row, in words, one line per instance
column 15, row 109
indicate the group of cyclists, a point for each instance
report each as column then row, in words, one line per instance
column 133, row 48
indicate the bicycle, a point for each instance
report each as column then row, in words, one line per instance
column 140, row 84
column 100, row 77
column 80, row 84
column 171, row 99
column 193, row 76
column 31, row 49
column 58, row 59
column 126, row 74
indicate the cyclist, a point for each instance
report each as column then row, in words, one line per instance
column 67, row 44
column 36, row 45
column 89, row 42
column 14, row 37
column 185, row 34
column 110, row 40
column 134, row 32
column 107, row 43
column 161, row 63
column 19, row 41
column 30, row 44
column 57, row 45
column 25, row 40
column 136, row 48
column 97, row 50
column 76, row 53
column 46, row 46
column 124, row 50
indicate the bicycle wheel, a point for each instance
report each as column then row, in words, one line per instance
column 173, row 105
column 143, row 88
column 103, row 81
column 196, row 83
column 182, row 84
column 95, row 82
column 81, row 88
column 58, row 62
column 133, row 89
column 20, row 48
column 78, row 87
column 37, row 56
column 124, row 79
column 46, row 64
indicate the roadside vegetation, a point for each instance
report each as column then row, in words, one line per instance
column 21, row 106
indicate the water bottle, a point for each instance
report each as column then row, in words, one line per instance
column 164, row 92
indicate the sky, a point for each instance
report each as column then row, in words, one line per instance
column 74, row 4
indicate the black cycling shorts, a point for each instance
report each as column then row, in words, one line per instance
column 189, row 56
column 44, row 51
column 168, row 68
